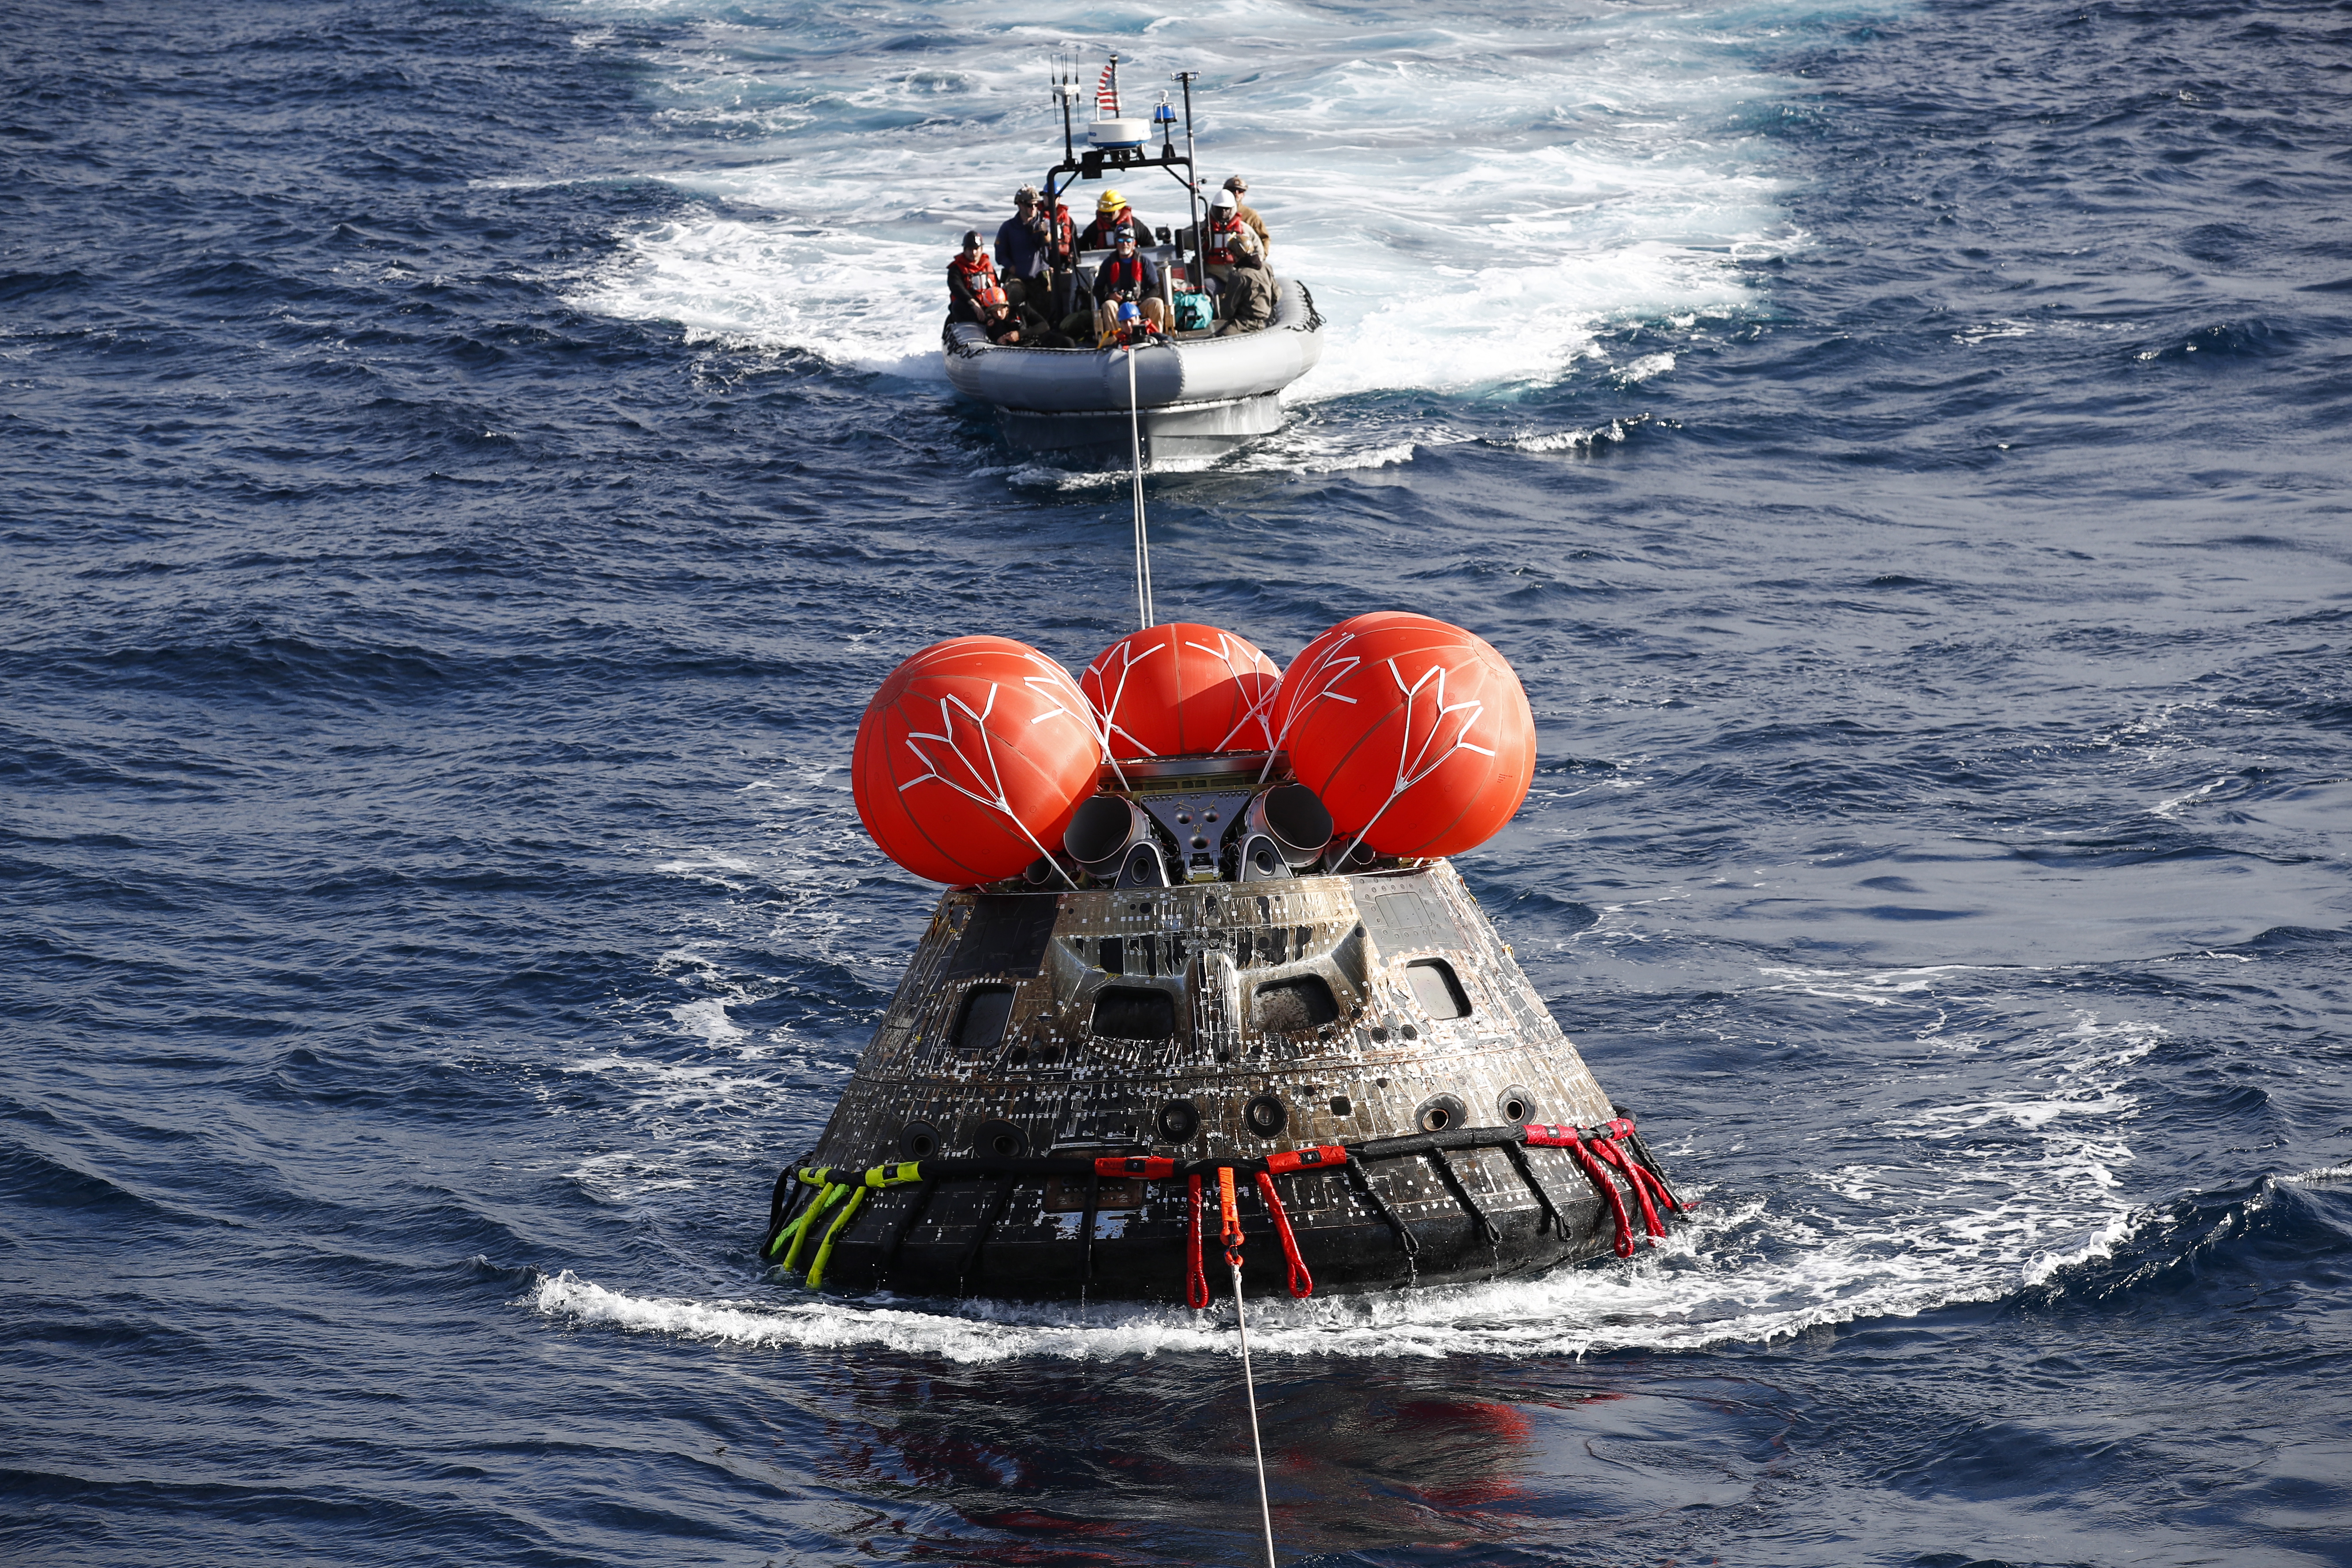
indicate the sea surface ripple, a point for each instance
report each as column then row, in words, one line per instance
column 464, row 464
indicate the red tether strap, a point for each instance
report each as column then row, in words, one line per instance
column 1303, row 1159
column 1598, row 1175
column 1149, row 1167
column 1196, row 1283
column 1608, row 1150
column 1302, row 1283
column 1545, row 1137
column 1656, row 1184
column 1232, row 1215
column 1622, row 1128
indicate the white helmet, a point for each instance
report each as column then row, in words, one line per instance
column 1223, row 198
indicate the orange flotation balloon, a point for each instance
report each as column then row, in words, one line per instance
column 1181, row 689
column 1414, row 733
column 972, row 758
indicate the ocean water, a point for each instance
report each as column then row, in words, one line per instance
column 464, row 466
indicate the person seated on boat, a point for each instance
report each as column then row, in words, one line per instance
column 1021, row 246
column 1228, row 236
column 1248, row 214
column 1133, row 326
column 966, row 273
column 1127, row 275
column 1247, row 301
column 1111, row 214
column 1017, row 326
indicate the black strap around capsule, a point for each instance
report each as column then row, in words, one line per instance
column 1407, row 1242
column 785, row 1198
column 916, row 1207
column 1526, row 1170
column 1479, row 1221
column 980, row 1237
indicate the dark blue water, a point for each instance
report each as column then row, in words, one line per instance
column 464, row 466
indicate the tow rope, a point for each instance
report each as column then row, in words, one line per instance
column 1233, row 1239
column 1146, row 612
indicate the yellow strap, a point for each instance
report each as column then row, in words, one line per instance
column 801, row 1227
column 815, row 1175
column 895, row 1176
column 824, row 1249
column 787, row 1233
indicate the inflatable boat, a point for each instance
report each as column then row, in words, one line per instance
column 1194, row 394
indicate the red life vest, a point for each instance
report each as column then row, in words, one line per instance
column 1118, row 275
column 1062, row 238
column 1221, row 241
column 972, row 269
column 1099, row 234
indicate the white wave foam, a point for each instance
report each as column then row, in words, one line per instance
column 1643, row 370
column 1931, row 1223
column 1705, row 1286
column 1615, row 430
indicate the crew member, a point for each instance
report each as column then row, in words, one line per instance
column 1062, row 238
column 1133, row 327
column 1246, row 214
column 1111, row 214
column 1061, row 263
column 1126, row 276
column 1246, row 299
column 1228, row 237
column 967, row 273
column 1016, row 326
column 1021, row 247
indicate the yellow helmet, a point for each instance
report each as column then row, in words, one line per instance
column 1111, row 202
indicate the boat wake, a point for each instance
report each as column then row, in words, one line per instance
column 1459, row 231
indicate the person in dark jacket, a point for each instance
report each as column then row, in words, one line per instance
column 1019, row 326
column 1247, row 300
column 1021, row 247
column 968, row 273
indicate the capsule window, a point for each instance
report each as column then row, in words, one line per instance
column 1437, row 990
column 986, row 1010
column 1135, row 1012
column 1293, row 1005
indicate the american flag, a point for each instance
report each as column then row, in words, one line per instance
column 1106, row 91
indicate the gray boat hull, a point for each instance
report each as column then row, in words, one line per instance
column 1194, row 398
